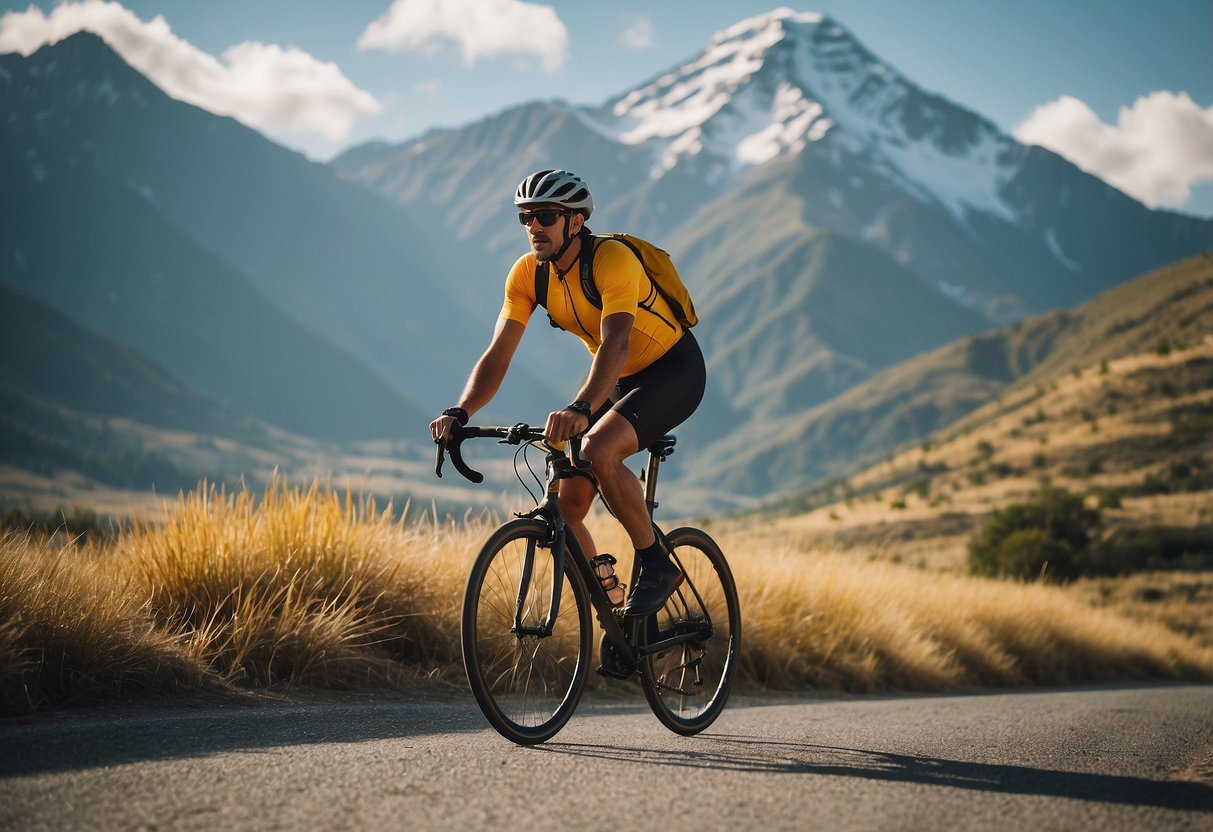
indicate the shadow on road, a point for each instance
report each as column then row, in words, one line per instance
column 74, row 744
column 756, row 754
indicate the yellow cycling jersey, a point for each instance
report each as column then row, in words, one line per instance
column 624, row 287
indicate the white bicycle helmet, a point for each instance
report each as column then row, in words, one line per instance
column 559, row 186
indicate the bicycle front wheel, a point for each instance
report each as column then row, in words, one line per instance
column 687, row 685
column 526, row 682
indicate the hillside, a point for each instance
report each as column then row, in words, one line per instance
column 200, row 226
column 46, row 356
column 1120, row 408
column 918, row 397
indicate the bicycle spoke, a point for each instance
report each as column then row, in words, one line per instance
column 687, row 685
column 527, row 685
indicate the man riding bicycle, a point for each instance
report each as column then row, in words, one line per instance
column 647, row 373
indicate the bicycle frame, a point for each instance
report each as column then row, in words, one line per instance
column 559, row 466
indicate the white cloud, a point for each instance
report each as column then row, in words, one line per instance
column 284, row 91
column 1158, row 149
column 639, row 35
column 481, row 28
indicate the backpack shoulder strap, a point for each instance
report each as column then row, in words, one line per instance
column 589, row 288
column 541, row 285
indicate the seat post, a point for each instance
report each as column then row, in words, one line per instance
column 658, row 451
column 650, row 480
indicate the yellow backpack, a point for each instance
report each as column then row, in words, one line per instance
column 657, row 265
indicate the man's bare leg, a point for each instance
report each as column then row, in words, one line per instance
column 606, row 446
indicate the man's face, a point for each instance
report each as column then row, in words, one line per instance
column 546, row 240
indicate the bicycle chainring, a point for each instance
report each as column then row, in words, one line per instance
column 612, row 664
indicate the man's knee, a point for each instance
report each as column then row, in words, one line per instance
column 609, row 443
column 575, row 497
column 598, row 450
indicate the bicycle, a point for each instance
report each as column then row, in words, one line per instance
column 526, row 631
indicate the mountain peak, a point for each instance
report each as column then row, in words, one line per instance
column 782, row 83
column 782, row 21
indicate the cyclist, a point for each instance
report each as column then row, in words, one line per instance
column 646, row 376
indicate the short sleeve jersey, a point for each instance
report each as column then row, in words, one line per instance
column 624, row 287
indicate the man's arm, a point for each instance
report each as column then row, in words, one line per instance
column 604, row 375
column 486, row 376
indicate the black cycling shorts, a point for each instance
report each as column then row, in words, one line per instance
column 664, row 394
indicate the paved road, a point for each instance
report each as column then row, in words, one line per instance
column 1132, row 758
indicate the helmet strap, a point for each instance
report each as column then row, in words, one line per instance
column 568, row 241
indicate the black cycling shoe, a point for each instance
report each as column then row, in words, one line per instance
column 654, row 585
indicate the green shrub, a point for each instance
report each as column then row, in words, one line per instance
column 1029, row 554
column 1151, row 548
column 1061, row 526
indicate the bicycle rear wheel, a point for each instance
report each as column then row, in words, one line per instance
column 527, row 685
column 687, row 686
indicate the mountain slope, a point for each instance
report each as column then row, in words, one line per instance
column 351, row 267
column 47, row 356
column 919, row 397
column 827, row 302
column 130, row 274
column 784, row 130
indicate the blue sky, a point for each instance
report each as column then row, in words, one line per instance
column 1002, row 60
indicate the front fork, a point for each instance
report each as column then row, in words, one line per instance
column 524, row 584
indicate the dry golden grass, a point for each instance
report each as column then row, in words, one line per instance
column 304, row 587
column 1180, row 601
column 71, row 631
column 301, row 586
column 837, row 622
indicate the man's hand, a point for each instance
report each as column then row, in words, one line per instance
column 441, row 427
column 565, row 424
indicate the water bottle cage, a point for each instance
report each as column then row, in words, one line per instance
column 610, row 581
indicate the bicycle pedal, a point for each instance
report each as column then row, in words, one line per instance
column 614, row 674
column 610, row 664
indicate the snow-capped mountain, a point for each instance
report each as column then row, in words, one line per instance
column 997, row 226
column 772, row 85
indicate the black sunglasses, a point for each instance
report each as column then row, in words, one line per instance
column 545, row 218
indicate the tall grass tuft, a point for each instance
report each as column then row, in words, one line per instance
column 302, row 586
column 73, row 632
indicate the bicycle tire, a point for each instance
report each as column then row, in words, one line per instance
column 527, row 686
column 682, row 704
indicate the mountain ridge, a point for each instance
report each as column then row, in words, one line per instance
column 936, row 391
column 339, row 261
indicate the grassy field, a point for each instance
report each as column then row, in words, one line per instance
column 304, row 587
